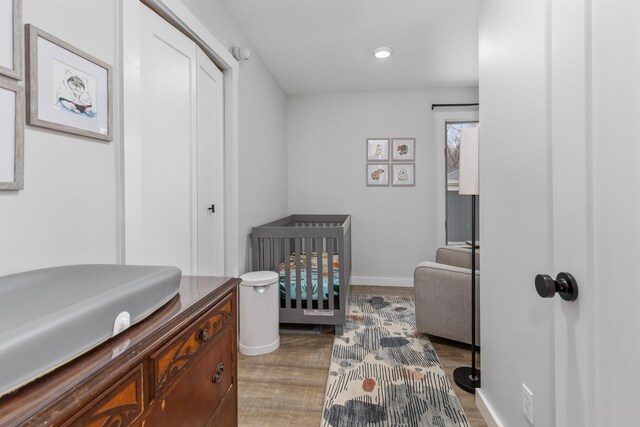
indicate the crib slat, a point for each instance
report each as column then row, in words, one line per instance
column 330, row 271
column 308, row 250
column 272, row 257
column 319, row 254
column 298, row 275
column 341, row 261
column 265, row 253
column 261, row 254
column 287, row 272
column 255, row 259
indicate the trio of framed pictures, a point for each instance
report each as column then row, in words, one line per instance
column 388, row 162
column 67, row 90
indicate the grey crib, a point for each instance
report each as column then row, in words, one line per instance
column 288, row 246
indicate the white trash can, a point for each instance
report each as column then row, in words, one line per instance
column 259, row 313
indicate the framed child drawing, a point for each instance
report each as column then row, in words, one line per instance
column 403, row 149
column 68, row 90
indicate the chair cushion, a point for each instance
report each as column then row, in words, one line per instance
column 458, row 256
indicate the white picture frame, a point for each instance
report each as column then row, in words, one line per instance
column 377, row 174
column 377, row 149
column 11, row 136
column 403, row 149
column 68, row 90
column 11, row 39
column 403, row 174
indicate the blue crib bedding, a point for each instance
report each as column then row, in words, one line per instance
column 314, row 276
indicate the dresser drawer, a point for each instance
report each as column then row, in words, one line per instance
column 196, row 395
column 227, row 413
column 121, row 404
column 181, row 352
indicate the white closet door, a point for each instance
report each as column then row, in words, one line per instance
column 167, row 71
column 210, row 165
column 174, row 170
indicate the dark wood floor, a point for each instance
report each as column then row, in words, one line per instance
column 286, row 387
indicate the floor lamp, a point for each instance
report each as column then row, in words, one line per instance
column 468, row 378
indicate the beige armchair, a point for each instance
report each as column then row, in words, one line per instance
column 443, row 294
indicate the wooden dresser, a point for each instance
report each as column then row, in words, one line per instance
column 178, row 367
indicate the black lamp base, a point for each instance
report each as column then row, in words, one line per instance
column 465, row 379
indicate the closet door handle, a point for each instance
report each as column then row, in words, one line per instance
column 212, row 208
column 565, row 285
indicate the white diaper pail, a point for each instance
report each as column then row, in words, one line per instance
column 259, row 313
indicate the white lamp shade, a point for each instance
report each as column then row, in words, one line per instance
column 469, row 162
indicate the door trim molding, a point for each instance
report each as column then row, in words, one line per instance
column 174, row 12
column 486, row 410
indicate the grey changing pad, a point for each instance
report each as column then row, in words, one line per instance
column 50, row 316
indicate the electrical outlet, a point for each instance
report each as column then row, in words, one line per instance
column 527, row 403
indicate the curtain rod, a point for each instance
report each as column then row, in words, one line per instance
column 434, row 106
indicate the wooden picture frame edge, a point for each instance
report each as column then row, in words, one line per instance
column 18, row 155
column 32, row 33
column 15, row 73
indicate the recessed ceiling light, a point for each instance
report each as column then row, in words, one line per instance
column 382, row 52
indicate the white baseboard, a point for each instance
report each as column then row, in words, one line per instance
column 486, row 410
column 406, row 282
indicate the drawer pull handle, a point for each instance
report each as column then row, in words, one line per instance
column 218, row 375
column 204, row 334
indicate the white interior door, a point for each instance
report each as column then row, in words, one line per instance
column 558, row 94
column 616, row 176
column 210, row 165
column 174, row 171
column 573, row 204
column 167, row 80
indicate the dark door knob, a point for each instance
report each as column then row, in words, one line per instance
column 212, row 208
column 565, row 285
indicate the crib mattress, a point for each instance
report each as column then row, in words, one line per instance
column 314, row 276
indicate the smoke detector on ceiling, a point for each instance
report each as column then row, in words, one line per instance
column 241, row 53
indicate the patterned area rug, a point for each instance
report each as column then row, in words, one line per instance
column 384, row 373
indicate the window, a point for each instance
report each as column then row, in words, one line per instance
column 458, row 222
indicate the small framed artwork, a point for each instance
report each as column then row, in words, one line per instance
column 68, row 90
column 403, row 149
column 377, row 174
column 11, row 136
column 11, row 38
column 377, row 150
column 403, row 174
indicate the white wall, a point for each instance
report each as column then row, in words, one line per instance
column 262, row 131
column 66, row 213
column 517, row 326
column 394, row 228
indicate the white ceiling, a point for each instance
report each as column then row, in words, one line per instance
column 325, row 45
